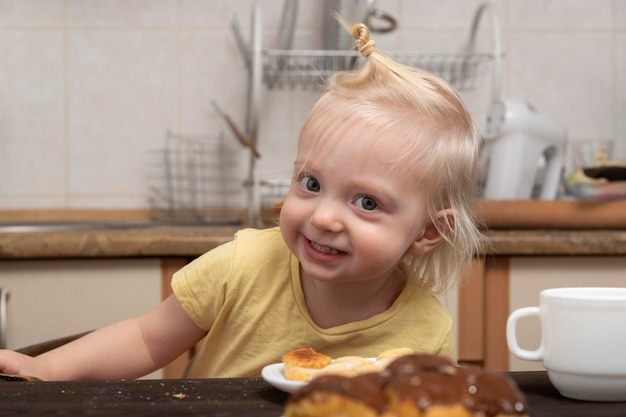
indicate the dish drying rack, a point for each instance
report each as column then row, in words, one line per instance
column 194, row 180
column 292, row 68
column 310, row 68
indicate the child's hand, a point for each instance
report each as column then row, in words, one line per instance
column 14, row 363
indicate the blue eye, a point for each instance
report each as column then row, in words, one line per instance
column 366, row 203
column 310, row 184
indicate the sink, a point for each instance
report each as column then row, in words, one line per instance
column 68, row 226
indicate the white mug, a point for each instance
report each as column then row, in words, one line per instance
column 583, row 341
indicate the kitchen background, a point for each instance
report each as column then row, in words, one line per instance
column 90, row 88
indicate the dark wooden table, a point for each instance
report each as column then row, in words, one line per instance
column 226, row 397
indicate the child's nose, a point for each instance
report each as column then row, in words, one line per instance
column 328, row 215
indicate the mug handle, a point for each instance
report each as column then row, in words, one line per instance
column 511, row 335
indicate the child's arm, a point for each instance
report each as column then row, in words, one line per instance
column 126, row 349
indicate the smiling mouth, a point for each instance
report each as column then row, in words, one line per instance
column 324, row 249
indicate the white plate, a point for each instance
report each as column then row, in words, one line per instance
column 274, row 375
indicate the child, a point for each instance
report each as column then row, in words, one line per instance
column 377, row 218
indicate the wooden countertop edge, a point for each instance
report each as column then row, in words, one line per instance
column 128, row 243
column 534, row 214
column 190, row 243
column 493, row 214
column 62, row 215
column 547, row 242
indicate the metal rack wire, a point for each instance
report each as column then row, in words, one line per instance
column 310, row 68
column 194, row 180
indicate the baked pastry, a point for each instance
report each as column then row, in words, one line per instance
column 346, row 366
column 302, row 364
column 433, row 390
column 395, row 353
column 497, row 395
column 429, row 385
column 340, row 396
column 416, row 385
column 305, row 363
column 385, row 357
column 353, row 361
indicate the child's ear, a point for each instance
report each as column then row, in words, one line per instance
column 431, row 237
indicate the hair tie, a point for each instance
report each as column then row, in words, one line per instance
column 361, row 35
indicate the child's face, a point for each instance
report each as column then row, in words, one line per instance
column 349, row 214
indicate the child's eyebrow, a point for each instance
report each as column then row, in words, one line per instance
column 302, row 164
column 299, row 165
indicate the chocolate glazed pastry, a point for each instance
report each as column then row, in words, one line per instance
column 336, row 395
column 427, row 385
column 412, row 386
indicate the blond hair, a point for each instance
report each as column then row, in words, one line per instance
column 437, row 136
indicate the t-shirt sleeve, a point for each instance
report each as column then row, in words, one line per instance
column 200, row 286
column 448, row 347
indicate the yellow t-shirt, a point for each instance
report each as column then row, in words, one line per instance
column 247, row 295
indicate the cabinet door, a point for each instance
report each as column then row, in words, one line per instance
column 530, row 275
column 56, row 298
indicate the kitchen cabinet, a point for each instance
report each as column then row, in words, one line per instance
column 56, row 298
column 497, row 286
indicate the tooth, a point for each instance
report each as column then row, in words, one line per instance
column 324, row 249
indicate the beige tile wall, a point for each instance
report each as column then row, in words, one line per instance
column 88, row 87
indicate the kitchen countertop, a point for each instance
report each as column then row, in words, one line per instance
column 228, row 397
column 134, row 242
column 513, row 228
column 186, row 241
